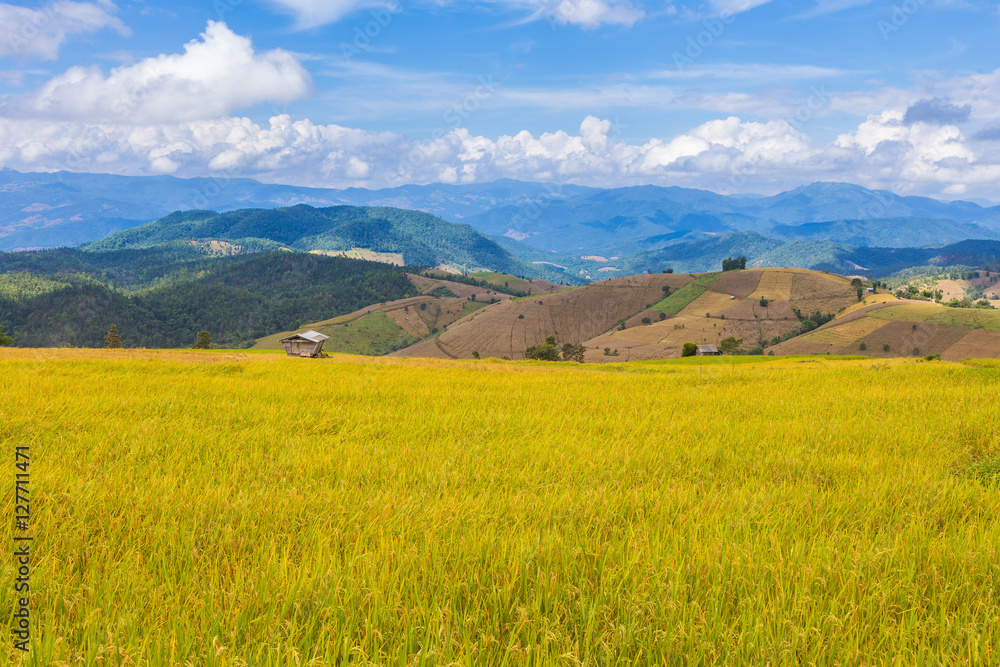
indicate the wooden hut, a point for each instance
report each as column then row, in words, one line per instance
column 708, row 351
column 307, row 344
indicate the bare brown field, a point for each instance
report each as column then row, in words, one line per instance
column 533, row 286
column 977, row 344
column 915, row 339
column 426, row 285
column 740, row 284
column 752, row 310
column 821, row 292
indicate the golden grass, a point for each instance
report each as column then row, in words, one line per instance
column 845, row 334
column 870, row 300
column 394, row 258
column 774, row 286
column 227, row 509
column 709, row 302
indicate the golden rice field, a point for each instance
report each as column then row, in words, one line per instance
column 231, row 509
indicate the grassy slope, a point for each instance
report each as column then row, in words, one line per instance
column 682, row 297
column 373, row 335
column 374, row 509
column 908, row 329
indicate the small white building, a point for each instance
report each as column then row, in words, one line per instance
column 308, row 344
column 708, row 351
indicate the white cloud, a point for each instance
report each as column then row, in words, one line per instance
column 38, row 33
column 733, row 7
column 593, row 13
column 313, row 13
column 725, row 155
column 584, row 13
column 213, row 77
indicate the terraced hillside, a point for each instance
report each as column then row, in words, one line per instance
column 905, row 328
column 506, row 329
column 754, row 305
column 633, row 316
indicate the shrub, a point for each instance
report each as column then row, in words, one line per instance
column 475, row 354
column 763, row 303
column 647, row 320
column 689, row 350
column 863, row 346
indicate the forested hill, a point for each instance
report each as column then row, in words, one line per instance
column 236, row 299
column 415, row 237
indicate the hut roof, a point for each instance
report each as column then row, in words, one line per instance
column 708, row 348
column 312, row 336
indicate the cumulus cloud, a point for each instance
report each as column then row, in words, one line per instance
column 38, row 33
column 215, row 76
column 938, row 111
column 725, row 155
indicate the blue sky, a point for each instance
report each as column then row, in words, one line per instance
column 727, row 95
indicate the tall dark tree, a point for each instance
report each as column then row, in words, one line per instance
column 203, row 341
column 113, row 340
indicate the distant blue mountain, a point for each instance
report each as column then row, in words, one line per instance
column 67, row 209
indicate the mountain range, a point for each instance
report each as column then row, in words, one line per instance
column 565, row 233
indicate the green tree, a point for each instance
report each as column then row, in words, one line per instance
column 573, row 352
column 730, row 345
column 763, row 303
column 475, row 354
column 689, row 350
column 547, row 351
column 203, row 341
column 114, row 339
column 734, row 263
column 5, row 340
column 861, row 293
